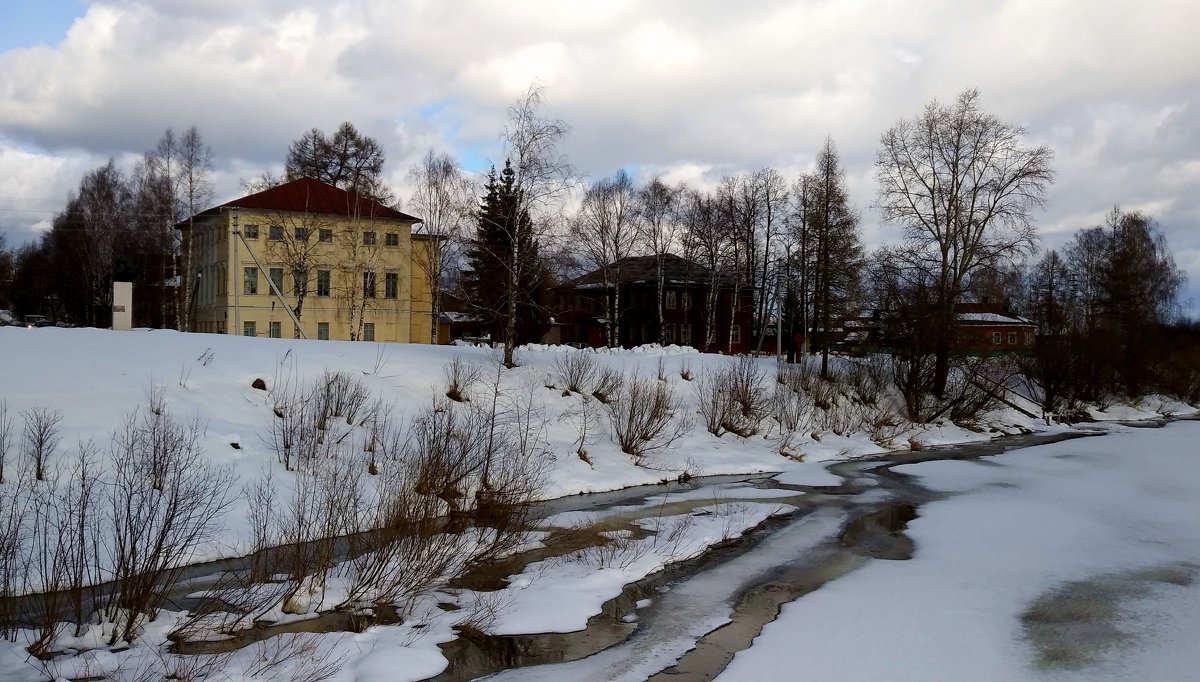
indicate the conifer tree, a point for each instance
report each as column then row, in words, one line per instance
column 504, row 252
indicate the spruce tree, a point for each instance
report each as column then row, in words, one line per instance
column 505, row 264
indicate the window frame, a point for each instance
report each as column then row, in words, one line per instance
column 250, row 231
column 735, row 334
column 325, row 235
column 671, row 299
column 275, row 329
column 249, row 326
column 327, row 276
column 391, row 239
column 369, row 239
column 1012, row 338
column 996, row 338
column 322, row 331
column 301, row 234
column 275, row 233
column 368, row 331
column 277, row 281
column 391, row 285
column 249, row 280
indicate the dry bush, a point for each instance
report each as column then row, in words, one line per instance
column 165, row 502
column 977, row 386
column 661, row 366
column 17, row 503
column 6, row 431
column 460, row 376
column 645, row 418
column 318, row 422
column 789, row 408
column 43, row 430
column 577, row 369
column 733, row 399
column 869, row 378
column 685, row 370
column 586, row 418
column 608, row 384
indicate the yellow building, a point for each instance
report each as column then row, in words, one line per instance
column 306, row 259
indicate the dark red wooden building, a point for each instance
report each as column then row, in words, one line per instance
column 580, row 310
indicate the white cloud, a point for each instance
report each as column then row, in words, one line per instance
column 688, row 89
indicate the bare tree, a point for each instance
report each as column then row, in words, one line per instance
column 604, row 231
column 963, row 186
column 706, row 241
column 542, row 177
column 195, row 192
column 43, row 430
column 347, row 159
column 6, row 431
column 444, row 198
column 658, row 207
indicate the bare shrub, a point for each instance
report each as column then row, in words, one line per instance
column 869, row 378
column 43, row 429
column 577, row 369
column 733, row 399
column 163, row 506
column 788, row 407
column 608, row 383
column 586, row 418
column 16, row 504
column 645, row 417
column 6, row 430
column 661, row 365
column 460, row 376
column 685, row 370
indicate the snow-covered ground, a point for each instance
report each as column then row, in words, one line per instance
column 96, row 378
column 1078, row 560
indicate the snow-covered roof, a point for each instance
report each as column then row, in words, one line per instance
column 993, row 318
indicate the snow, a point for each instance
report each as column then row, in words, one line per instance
column 1013, row 529
column 98, row 377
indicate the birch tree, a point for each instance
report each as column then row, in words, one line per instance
column 604, row 231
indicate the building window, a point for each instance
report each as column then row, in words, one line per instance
column 1012, row 337
column 735, row 334
column 670, row 300
column 369, row 238
column 276, row 233
column 276, row 275
column 391, row 239
column 300, row 282
column 248, row 329
column 323, row 283
column 368, row 331
column 391, row 285
column 250, row 232
column 996, row 338
column 668, row 333
column 325, row 235
column 250, row 281
column 323, row 331
column 687, row 300
column 301, row 234
column 368, row 285
column 275, row 330
column 685, row 330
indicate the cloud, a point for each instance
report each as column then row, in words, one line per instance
column 688, row 89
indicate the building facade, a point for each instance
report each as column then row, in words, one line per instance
column 306, row 259
column 688, row 288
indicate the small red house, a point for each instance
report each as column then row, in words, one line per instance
column 990, row 328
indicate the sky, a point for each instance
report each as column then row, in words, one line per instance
column 690, row 90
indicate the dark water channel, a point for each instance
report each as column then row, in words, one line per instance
column 877, row 503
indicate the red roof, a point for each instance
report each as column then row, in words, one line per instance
column 305, row 195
